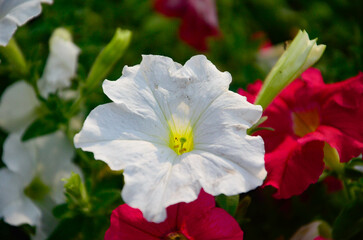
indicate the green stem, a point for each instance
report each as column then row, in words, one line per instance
column 346, row 189
column 15, row 57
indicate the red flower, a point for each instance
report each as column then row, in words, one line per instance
column 333, row 184
column 198, row 220
column 305, row 115
column 199, row 19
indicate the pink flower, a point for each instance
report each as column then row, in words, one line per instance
column 198, row 220
column 199, row 19
column 333, row 184
column 305, row 115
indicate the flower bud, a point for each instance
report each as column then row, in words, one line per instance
column 300, row 55
column 108, row 58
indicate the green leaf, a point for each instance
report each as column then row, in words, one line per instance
column 103, row 199
column 40, row 127
column 62, row 211
column 349, row 222
column 228, row 203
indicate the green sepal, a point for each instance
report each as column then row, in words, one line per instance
column 255, row 127
column 228, row 203
column 76, row 193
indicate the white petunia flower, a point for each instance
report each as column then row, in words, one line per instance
column 14, row 13
column 61, row 64
column 18, row 106
column 175, row 129
column 32, row 179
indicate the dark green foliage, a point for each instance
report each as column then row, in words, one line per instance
column 90, row 200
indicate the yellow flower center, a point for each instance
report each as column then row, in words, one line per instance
column 175, row 236
column 305, row 122
column 181, row 141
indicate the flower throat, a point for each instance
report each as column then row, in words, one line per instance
column 181, row 142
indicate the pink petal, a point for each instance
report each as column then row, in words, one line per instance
column 128, row 223
column 252, row 91
column 199, row 19
column 199, row 219
column 293, row 166
column 346, row 145
column 214, row 224
column 170, row 8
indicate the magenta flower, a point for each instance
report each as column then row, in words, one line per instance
column 306, row 115
column 197, row 220
column 199, row 19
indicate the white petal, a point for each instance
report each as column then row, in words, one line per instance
column 159, row 182
column 236, row 160
column 20, row 158
column 224, row 173
column 54, row 161
column 14, row 206
column 48, row 157
column 16, row 12
column 7, row 29
column 160, row 86
column 18, row 106
column 61, row 66
column 195, row 85
column 22, row 211
column 118, row 136
column 11, row 185
column 308, row 231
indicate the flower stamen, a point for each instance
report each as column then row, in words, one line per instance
column 175, row 236
column 181, row 143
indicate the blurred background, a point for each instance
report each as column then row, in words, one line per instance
column 246, row 27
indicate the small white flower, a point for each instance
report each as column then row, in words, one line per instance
column 32, row 179
column 18, row 106
column 61, row 64
column 175, row 129
column 312, row 231
column 14, row 13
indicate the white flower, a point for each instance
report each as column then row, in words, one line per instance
column 61, row 64
column 32, row 179
column 18, row 106
column 175, row 129
column 14, row 13
column 312, row 231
